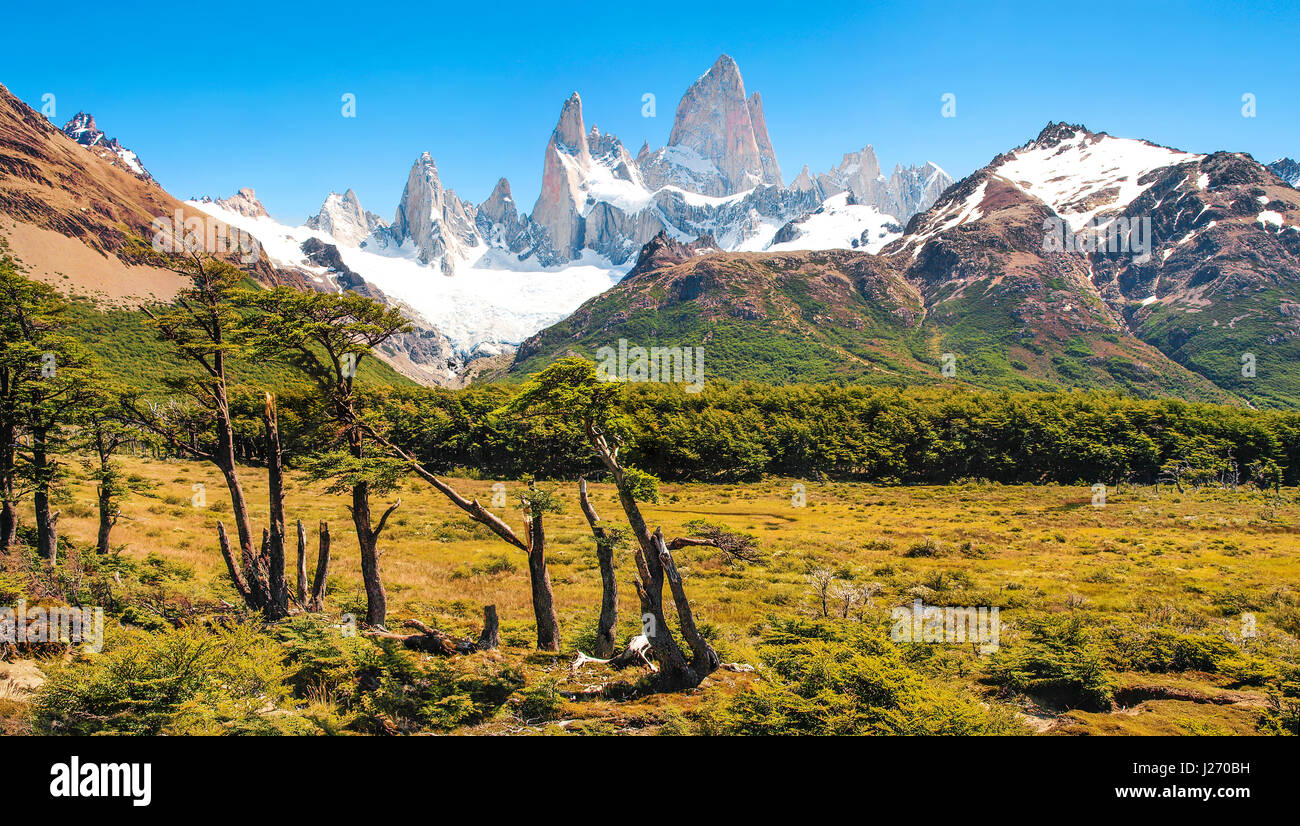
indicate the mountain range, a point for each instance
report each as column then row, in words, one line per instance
column 1077, row 259
column 510, row 273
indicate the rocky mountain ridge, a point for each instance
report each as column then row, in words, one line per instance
column 83, row 130
column 1075, row 260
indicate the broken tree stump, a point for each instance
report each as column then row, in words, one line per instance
column 432, row 641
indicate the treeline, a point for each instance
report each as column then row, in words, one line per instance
column 740, row 432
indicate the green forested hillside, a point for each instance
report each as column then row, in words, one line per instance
column 127, row 348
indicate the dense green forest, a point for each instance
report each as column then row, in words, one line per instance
column 738, row 432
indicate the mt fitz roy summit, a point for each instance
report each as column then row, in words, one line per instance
column 718, row 175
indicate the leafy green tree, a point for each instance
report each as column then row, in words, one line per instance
column 19, row 297
column 326, row 336
column 207, row 326
column 44, row 380
column 106, row 428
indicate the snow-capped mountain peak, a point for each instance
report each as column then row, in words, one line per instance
column 1286, row 169
column 342, row 217
column 1085, row 176
column 720, row 136
column 904, row 193
column 432, row 218
column 244, row 202
column 82, row 129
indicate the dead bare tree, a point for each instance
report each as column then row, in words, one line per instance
column 316, row 601
column 277, row 605
column 300, row 591
column 569, row 390
column 733, row 547
column 822, row 584
column 248, row 574
column 536, row 502
column 606, row 540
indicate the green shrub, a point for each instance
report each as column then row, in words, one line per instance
column 541, row 701
column 928, row 547
column 190, row 680
column 1059, row 660
column 1161, row 650
column 829, row 678
column 387, row 688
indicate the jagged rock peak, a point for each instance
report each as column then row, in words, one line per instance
column 569, row 134
column 771, row 169
column 804, row 182
column 244, row 202
column 432, row 217
column 1053, row 133
column 499, row 222
column 83, row 130
column 714, row 121
column 498, row 200
column 909, row 190
column 663, row 250
column 344, row 219
column 1286, row 169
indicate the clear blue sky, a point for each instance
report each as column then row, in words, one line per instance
column 218, row 96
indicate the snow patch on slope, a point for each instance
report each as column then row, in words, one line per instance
column 492, row 299
column 840, row 225
column 953, row 214
column 1088, row 176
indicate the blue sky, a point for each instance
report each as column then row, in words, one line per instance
column 215, row 97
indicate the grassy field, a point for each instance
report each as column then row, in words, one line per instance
column 1192, row 562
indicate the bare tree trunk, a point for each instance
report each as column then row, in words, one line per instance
column 317, row 602
column 301, row 592
column 548, row 625
column 8, row 521
column 107, row 519
column 8, row 499
column 432, row 641
column 491, row 636
column 47, row 537
column 224, row 458
column 675, row 672
column 368, row 540
column 704, row 660
column 605, row 627
column 277, row 587
column 235, row 569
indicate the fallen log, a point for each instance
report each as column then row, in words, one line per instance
column 637, row 653
column 432, row 641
